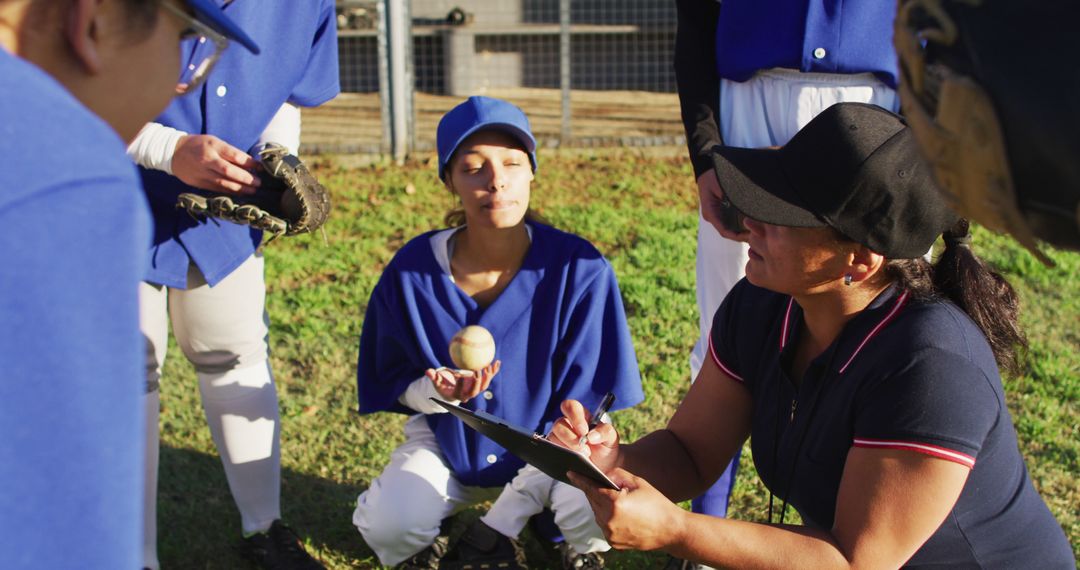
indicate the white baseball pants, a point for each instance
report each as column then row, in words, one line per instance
column 400, row 513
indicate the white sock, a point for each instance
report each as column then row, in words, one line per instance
column 151, row 402
column 242, row 411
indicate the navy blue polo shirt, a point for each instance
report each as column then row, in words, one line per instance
column 903, row 374
column 826, row 36
column 298, row 64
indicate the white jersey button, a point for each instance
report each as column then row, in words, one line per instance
column 491, row 458
column 819, row 53
column 221, row 90
column 488, row 395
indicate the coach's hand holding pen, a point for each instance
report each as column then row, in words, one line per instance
column 586, row 435
column 597, row 415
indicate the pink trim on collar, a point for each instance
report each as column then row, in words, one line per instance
column 787, row 319
column 900, row 301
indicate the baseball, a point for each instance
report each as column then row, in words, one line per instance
column 472, row 348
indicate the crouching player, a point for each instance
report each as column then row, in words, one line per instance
column 551, row 302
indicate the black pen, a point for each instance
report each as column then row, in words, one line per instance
column 605, row 405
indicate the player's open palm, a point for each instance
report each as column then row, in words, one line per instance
column 209, row 163
column 462, row 385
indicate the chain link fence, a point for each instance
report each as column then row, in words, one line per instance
column 587, row 72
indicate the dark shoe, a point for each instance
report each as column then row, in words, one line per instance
column 428, row 558
column 280, row 549
column 484, row 548
column 573, row 560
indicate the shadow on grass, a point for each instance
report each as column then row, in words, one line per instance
column 199, row 526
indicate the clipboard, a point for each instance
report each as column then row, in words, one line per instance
column 536, row 450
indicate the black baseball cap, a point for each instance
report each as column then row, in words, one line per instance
column 856, row 168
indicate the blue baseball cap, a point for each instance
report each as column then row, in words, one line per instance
column 478, row 113
column 213, row 15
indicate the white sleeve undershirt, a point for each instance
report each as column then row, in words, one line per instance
column 417, row 395
column 283, row 129
column 155, row 144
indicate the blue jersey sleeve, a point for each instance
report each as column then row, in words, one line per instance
column 320, row 82
column 596, row 354
column 389, row 359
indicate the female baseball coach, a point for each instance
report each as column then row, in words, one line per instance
column 867, row 379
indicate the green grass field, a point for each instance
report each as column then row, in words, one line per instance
column 640, row 211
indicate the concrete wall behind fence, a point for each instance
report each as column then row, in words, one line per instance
column 621, row 88
column 615, row 44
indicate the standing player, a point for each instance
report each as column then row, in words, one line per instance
column 751, row 73
column 77, row 80
column 206, row 276
column 552, row 304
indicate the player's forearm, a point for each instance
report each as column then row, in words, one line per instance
column 698, row 81
column 662, row 460
column 728, row 543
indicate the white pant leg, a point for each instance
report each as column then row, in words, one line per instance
column 224, row 327
column 575, row 518
column 154, row 324
column 223, row 331
column 400, row 513
column 721, row 263
column 530, row 492
column 766, row 110
column 241, row 410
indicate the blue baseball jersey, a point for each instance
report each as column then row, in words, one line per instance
column 298, row 64
column 827, row 36
column 903, row 374
column 74, row 228
column 560, row 332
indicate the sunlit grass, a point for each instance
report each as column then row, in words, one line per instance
column 640, row 210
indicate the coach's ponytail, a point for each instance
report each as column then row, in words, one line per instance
column 983, row 294
column 964, row 279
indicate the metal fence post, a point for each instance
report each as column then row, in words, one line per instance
column 383, row 49
column 395, row 85
column 564, row 70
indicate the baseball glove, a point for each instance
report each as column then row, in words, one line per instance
column 289, row 200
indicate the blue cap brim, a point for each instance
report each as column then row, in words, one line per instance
column 209, row 13
column 525, row 137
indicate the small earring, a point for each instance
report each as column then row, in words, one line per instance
column 847, row 279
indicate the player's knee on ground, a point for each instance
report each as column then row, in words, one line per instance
column 398, row 517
